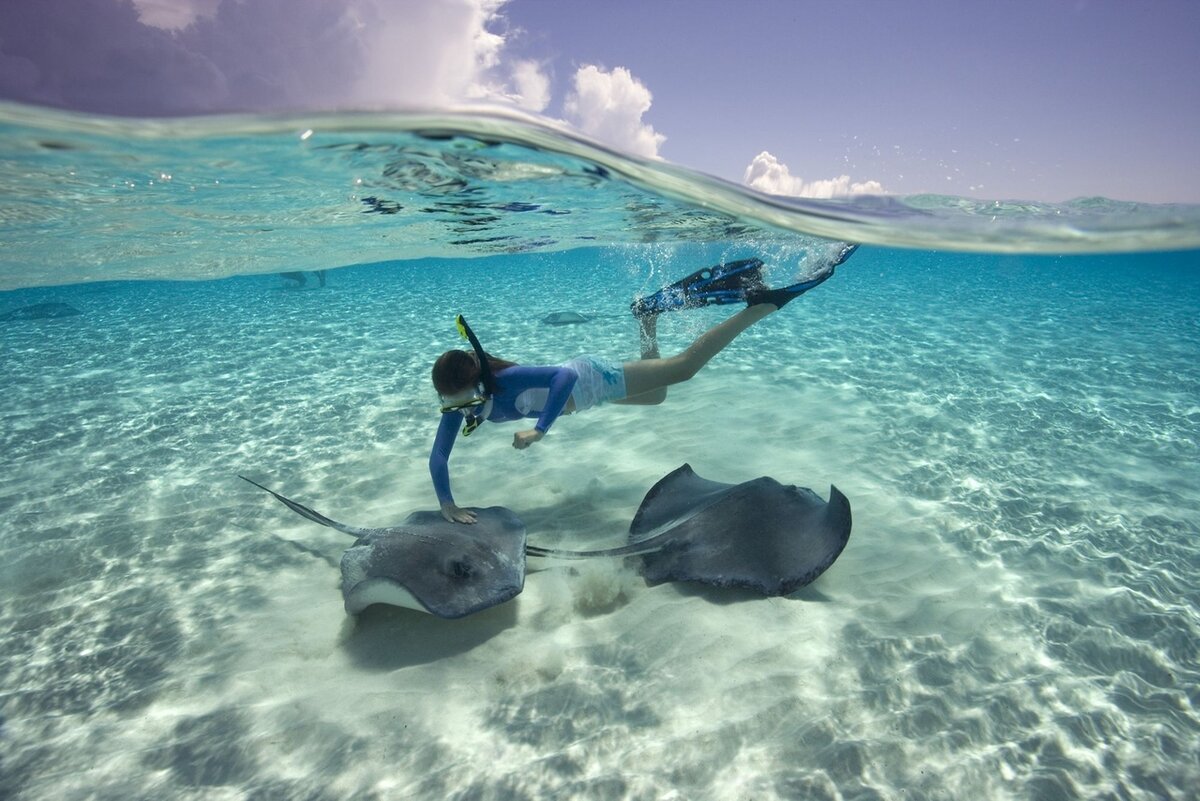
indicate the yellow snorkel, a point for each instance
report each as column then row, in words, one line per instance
column 485, row 374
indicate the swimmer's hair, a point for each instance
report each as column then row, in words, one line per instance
column 456, row 370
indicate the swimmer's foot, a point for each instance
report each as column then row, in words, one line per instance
column 649, row 336
column 781, row 297
column 716, row 285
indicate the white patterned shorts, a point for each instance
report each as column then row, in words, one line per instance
column 599, row 380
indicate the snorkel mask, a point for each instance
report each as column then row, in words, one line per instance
column 476, row 409
column 478, row 400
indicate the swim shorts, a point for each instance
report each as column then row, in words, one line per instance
column 599, row 380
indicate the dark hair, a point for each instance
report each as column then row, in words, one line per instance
column 456, row 370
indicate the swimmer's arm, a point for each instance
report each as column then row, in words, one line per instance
column 439, row 469
column 523, row 439
column 558, row 380
column 561, row 385
column 456, row 514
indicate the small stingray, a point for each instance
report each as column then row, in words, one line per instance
column 428, row 564
column 41, row 311
column 564, row 318
column 760, row 534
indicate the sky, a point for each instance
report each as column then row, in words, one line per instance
column 1024, row 99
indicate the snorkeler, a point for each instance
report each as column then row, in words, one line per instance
column 476, row 386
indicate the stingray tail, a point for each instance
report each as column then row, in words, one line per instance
column 304, row 511
column 636, row 549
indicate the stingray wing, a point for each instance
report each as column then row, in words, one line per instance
column 674, row 498
column 762, row 535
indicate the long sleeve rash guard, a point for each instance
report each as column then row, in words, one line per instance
column 539, row 392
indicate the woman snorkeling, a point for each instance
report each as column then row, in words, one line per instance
column 476, row 386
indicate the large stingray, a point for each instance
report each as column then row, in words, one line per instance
column 428, row 564
column 759, row 534
column 41, row 311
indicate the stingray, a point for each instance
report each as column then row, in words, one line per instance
column 760, row 534
column 429, row 564
column 564, row 318
column 41, row 311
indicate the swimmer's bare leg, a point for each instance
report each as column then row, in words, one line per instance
column 648, row 335
column 648, row 379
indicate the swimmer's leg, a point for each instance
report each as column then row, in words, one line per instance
column 649, row 336
column 649, row 342
column 646, row 381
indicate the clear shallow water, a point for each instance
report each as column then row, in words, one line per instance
column 1016, row 615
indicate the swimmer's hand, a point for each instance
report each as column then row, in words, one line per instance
column 457, row 514
column 523, row 439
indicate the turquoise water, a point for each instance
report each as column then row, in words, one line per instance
column 1016, row 615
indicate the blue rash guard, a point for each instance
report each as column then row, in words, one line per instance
column 539, row 392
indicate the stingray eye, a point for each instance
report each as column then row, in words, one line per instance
column 460, row 569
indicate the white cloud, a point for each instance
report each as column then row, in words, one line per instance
column 150, row 57
column 165, row 57
column 441, row 52
column 418, row 53
column 531, row 86
column 172, row 15
column 609, row 107
column 768, row 174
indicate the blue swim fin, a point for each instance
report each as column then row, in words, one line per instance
column 781, row 297
column 716, row 285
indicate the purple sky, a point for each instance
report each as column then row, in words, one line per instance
column 1032, row 100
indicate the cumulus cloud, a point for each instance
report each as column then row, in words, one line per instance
column 168, row 57
column 609, row 105
column 531, row 85
column 768, row 174
column 174, row 14
column 150, row 57
column 429, row 54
